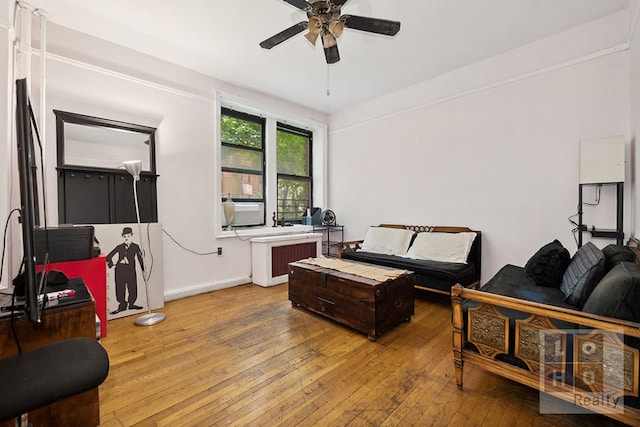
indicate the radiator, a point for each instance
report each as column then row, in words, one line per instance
column 271, row 255
column 281, row 256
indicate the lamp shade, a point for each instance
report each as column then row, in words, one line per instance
column 133, row 167
column 231, row 184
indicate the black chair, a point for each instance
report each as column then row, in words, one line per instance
column 51, row 373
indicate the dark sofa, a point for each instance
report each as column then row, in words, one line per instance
column 577, row 344
column 430, row 275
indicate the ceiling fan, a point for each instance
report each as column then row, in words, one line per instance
column 326, row 22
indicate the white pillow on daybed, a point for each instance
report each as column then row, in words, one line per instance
column 445, row 247
column 387, row 241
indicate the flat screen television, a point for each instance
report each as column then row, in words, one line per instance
column 29, row 211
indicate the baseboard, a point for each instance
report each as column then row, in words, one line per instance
column 205, row 287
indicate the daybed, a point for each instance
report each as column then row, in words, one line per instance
column 569, row 327
column 439, row 256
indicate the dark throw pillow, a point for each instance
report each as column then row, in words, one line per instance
column 618, row 294
column 547, row 266
column 583, row 274
column 615, row 254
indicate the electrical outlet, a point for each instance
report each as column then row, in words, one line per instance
column 220, row 251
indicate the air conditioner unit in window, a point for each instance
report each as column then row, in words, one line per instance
column 246, row 214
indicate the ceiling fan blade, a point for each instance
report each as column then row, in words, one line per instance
column 339, row 2
column 371, row 25
column 331, row 53
column 300, row 4
column 283, row 35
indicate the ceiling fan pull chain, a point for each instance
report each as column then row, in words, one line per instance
column 328, row 81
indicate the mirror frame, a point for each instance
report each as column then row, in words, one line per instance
column 63, row 117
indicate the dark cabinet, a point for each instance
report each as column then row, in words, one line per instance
column 83, row 197
column 124, row 207
column 104, row 197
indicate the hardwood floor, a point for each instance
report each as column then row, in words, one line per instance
column 244, row 356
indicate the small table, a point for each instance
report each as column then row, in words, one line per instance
column 93, row 272
column 367, row 305
column 330, row 245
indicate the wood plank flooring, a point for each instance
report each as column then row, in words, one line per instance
column 244, row 357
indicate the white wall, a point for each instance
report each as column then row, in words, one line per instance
column 493, row 146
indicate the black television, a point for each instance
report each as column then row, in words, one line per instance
column 29, row 211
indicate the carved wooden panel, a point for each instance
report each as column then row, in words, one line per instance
column 488, row 330
column 541, row 346
column 604, row 364
column 420, row 228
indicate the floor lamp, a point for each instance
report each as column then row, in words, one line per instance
column 134, row 167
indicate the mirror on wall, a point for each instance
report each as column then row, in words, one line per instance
column 93, row 142
column 93, row 186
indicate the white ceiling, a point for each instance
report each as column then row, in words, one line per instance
column 220, row 38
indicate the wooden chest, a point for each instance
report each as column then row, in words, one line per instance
column 367, row 305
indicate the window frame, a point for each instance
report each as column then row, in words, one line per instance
column 224, row 111
column 281, row 126
column 306, row 119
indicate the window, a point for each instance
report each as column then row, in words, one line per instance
column 243, row 157
column 294, row 172
column 280, row 161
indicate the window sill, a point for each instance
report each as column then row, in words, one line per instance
column 249, row 233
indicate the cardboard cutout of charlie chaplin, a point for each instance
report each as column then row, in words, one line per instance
column 123, row 257
column 147, row 239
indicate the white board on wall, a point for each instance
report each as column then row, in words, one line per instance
column 602, row 160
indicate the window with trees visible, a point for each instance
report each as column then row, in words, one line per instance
column 243, row 156
column 294, row 175
column 274, row 159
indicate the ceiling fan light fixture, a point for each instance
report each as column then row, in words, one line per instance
column 315, row 28
column 315, row 24
column 312, row 37
column 325, row 20
column 336, row 28
column 328, row 40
